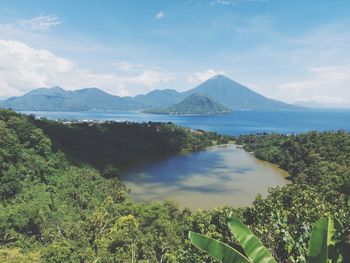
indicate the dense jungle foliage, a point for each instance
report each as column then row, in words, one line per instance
column 61, row 199
column 317, row 159
column 119, row 144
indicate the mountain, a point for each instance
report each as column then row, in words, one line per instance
column 194, row 104
column 58, row 99
column 160, row 98
column 236, row 96
column 221, row 89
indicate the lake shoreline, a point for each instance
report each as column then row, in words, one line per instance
column 214, row 176
column 287, row 175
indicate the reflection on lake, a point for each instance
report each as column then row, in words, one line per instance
column 205, row 179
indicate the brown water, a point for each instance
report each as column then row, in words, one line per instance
column 205, row 179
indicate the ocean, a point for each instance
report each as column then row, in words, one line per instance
column 235, row 123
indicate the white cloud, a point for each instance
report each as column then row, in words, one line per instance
column 327, row 85
column 23, row 68
column 323, row 99
column 199, row 77
column 335, row 73
column 159, row 15
column 127, row 66
column 150, row 78
column 39, row 23
column 32, row 26
column 143, row 74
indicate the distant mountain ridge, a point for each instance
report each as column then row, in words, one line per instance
column 219, row 88
column 194, row 104
column 58, row 99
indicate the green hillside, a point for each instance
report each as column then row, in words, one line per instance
column 194, row 104
column 55, row 206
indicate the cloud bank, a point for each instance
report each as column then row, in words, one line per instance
column 326, row 85
column 23, row 68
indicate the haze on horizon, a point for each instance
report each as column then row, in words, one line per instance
column 286, row 50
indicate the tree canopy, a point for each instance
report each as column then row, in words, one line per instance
column 61, row 199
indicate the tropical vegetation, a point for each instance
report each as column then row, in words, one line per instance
column 323, row 245
column 61, row 198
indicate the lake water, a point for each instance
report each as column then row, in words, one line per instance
column 236, row 123
column 205, row 179
column 217, row 176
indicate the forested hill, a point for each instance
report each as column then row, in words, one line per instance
column 194, row 104
column 53, row 210
column 56, row 210
column 120, row 144
column 311, row 158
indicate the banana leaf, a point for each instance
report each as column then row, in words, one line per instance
column 217, row 249
column 322, row 245
column 252, row 246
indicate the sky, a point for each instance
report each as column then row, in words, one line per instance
column 287, row 50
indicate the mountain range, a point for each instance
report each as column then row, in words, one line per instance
column 219, row 91
column 58, row 99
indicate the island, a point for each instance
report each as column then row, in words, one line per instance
column 194, row 104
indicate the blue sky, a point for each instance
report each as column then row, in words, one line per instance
column 288, row 50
